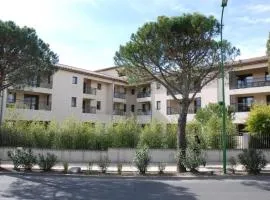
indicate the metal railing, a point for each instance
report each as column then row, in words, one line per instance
column 120, row 95
column 259, row 141
column 175, row 111
column 143, row 94
column 119, row 112
column 21, row 104
column 90, row 109
column 143, row 112
column 255, row 82
column 89, row 90
column 241, row 107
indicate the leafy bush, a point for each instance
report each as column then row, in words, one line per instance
column 161, row 167
column 65, row 166
column 153, row 136
column 104, row 163
column 233, row 164
column 142, row 159
column 119, row 168
column 23, row 158
column 46, row 163
column 258, row 121
column 253, row 160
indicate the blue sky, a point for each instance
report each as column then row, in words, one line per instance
column 86, row 33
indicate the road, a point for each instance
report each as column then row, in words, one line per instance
column 70, row 188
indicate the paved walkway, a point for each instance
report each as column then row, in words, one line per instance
column 22, row 187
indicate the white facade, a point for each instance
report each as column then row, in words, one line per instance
column 104, row 97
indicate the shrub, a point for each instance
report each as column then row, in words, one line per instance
column 103, row 163
column 46, row 163
column 161, row 167
column 23, row 158
column 142, row 159
column 233, row 164
column 119, row 168
column 65, row 166
column 253, row 160
column 153, row 136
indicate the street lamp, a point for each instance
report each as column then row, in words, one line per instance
column 223, row 5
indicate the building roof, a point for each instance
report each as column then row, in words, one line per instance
column 251, row 61
column 106, row 69
column 90, row 73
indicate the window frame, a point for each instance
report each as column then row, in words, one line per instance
column 73, row 103
column 74, row 80
column 158, row 105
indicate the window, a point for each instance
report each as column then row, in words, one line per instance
column 268, row 99
column 132, row 91
column 245, row 103
column 197, row 104
column 244, row 81
column 132, row 108
column 99, row 86
column 73, row 101
column 267, row 76
column 74, row 80
column 31, row 101
column 48, row 100
column 49, row 79
column 158, row 86
column 125, row 108
column 125, row 90
column 98, row 105
column 11, row 97
column 158, row 105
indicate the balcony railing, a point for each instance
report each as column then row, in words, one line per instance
column 143, row 112
column 143, row 94
column 119, row 95
column 90, row 109
column 176, row 111
column 89, row 90
column 119, row 112
column 29, row 105
column 258, row 82
column 241, row 107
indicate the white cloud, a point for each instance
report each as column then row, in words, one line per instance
column 250, row 20
column 259, row 8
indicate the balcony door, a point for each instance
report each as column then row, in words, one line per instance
column 244, row 81
column 245, row 103
column 31, row 101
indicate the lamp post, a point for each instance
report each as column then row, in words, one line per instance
column 223, row 5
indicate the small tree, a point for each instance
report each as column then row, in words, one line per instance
column 258, row 121
column 181, row 53
column 268, row 50
column 23, row 55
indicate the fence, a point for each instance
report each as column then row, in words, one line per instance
column 124, row 155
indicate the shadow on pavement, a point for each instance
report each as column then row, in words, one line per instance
column 260, row 185
column 45, row 188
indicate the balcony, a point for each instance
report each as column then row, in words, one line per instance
column 89, row 90
column 255, row 82
column 143, row 112
column 119, row 95
column 90, row 109
column 119, row 112
column 143, row 94
column 21, row 104
column 241, row 107
column 176, row 111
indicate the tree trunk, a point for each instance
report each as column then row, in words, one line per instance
column 181, row 135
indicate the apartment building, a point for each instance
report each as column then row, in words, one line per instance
column 104, row 96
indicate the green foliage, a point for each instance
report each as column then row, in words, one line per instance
column 208, row 126
column 153, row 135
column 268, row 51
column 104, row 163
column 171, row 136
column 47, row 162
column 253, row 160
column 193, row 157
column 142, row 159
column 65, row 166
column 125, row 134
column 25, row 55
column 233, row 163
column 22, row 158
column 258, row 121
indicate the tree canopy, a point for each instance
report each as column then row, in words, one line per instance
column 182, row 53
column 268, row 50
column 23, row 55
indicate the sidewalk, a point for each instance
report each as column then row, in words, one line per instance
column 132, row 168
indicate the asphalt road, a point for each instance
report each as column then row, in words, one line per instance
column 71, row 188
